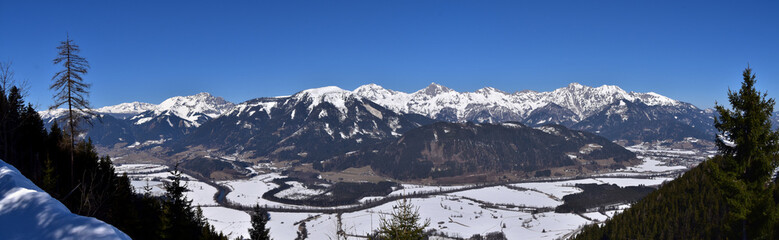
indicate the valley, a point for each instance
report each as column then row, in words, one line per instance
column 533, row 165
column 522, row 208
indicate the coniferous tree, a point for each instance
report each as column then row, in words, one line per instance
column 748, row 145
column 260, row 218
column 71, row 90
column 177, row 209
column 745, row 133
column 404, row 223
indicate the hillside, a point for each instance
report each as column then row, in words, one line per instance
column 443, row 150
column 311, row 125
column 27, row 212
column 638, row 122
column 732, row 195
column 699, row 205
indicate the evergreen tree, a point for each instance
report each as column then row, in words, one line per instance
column 745, row 133
column 748, row 145
column 49, row 176
column 403, row 224
column 260, row 218
column 71, row 90
column 178, row 215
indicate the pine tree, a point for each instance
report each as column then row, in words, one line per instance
column 403, row 224
column 71, row 90
column 260, row 218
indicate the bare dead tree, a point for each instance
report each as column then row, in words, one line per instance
column 71, row 90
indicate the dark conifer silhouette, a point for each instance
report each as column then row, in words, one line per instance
column 260, row 218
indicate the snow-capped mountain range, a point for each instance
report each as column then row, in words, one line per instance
column 309, row 126
column 492, row 105
column 124, row 110
column 435, row 101
column 373, row 112
column 195, row 109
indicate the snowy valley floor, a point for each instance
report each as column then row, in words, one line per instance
column 464, row 213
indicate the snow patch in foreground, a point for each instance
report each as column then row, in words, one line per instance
column 27, row 212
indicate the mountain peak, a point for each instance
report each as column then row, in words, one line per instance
column 330, row 94
column 193, row 107
column 576, row 85
column 435, row 89
column 611, row 88
column 369, row 87
column 315, row 92
column 127, row 108
column 489, row 90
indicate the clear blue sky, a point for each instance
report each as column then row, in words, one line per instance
column 151, row 50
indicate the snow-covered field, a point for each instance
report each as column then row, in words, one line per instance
column 417, row 189
column 298, row 191
column 231, row 222
column 506, row 196
column 139, row 168
column 652, row 165
column 200, row 193
column 452, row 215
column 460, row 213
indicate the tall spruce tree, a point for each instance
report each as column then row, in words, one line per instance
column 749, row 149
column 71, row 90
column 260, row 218
column 745, row 133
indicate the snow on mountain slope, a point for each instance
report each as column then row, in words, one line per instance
column 195, row 108
column 331, row 94
column 492, row 105
column 27, row 212
column 310, row 125
column 124, row 110
column 121, row 111
column 52, row 114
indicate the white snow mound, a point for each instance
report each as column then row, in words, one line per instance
column 27, row 212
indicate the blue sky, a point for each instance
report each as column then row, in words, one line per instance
column 151, row 50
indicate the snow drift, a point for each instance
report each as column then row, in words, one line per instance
column 27, row 212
